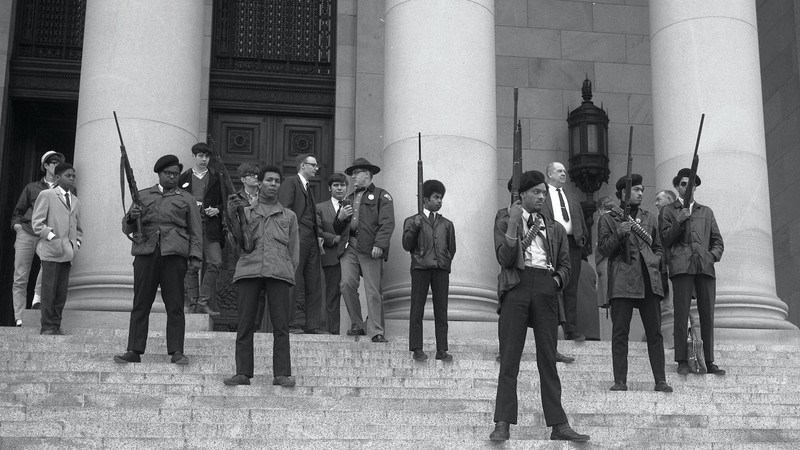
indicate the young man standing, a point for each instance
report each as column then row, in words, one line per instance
column 270, row 266
column 204, row 185
column 692, row 238
column 297, row 195
column 333, row 245
column 369, row 219
column 634, row 254
column 171, row 238
column 534, row 265
column 56, row 219
column 431, row 240
column 26, row 239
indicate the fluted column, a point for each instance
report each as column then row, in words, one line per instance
column 705, row 60
column 440, row 81
column 142, row 59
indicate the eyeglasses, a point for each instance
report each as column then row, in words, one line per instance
column 253, row 175
column 170, row 174
column 311, row 164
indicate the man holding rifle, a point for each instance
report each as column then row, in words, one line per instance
column 690, row 234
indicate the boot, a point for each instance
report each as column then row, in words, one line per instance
column 203, row 308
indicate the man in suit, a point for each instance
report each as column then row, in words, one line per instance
column 634, row 281
column 692, row 238
column 171, row 238
column 534, row 265
column 26, row 239
column 333, row 245
column 205, row 187
column 565, row 209
column 56, row 219
column 369, row 219
column 296, row 194
column 431, row 240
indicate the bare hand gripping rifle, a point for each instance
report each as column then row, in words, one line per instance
column 419, row 175
column 516, row 173
column 239, row 230
column 126, row 173
column 688, row 198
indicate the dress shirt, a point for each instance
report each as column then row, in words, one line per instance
column 535, row 254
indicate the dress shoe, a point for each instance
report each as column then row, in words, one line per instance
column 619, row 386
column 379, row 338
column 129, row 357
column 316, row 331
column 442, row 355
column 419, row 355
column 683, row 368
column 564, row 432
column 51, row 332
column 662, row 386
column 500, row 432
column 283, row 381
column 356, row 332
column 236, row 380
column 295, row 331
column 179, row 358
column 715, row 370
column 575, row 337
column 19, row 322
column 564, row 359
column 205, row 309
column 37, row 305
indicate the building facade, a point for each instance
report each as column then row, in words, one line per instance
column 361, row 78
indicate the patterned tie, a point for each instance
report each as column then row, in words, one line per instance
column 69, row 205
column 564, row 212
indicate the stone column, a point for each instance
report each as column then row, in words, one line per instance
column 705, row 60
column 440, row 81
column 142, row 59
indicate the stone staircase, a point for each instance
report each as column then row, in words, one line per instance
column 66, row 392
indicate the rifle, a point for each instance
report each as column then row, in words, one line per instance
column 516, row 173
column 126, row 173
column 419, row 175
column 689, row 195
column 626, row 200
column 240, row 231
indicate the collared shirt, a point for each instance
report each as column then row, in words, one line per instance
column 556, row 202
column 252, row 197
column 427, row 213
column 160, row 188
column 336, row 204
column 199, row 175
column 691, row 205
column 535, row 254
column 63, row 193
column 303, row 181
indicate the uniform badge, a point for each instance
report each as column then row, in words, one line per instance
column 371, row 197
column 387, row 196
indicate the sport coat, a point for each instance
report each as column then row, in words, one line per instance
column 326, row 214
column 293, row 196
column 579, row 230
column 50, row 214
column 212, row 198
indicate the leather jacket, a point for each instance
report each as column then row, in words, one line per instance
column 432, row 245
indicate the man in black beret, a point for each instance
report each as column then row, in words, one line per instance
column 171, row 240
column 534, row 265
column 692, row 238
column 633, row 281
column 369, row 217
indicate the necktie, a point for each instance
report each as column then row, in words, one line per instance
column 69, row 205
column 564, row 212
column 533, row 231
column 432, row 216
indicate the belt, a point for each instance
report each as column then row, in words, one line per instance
column 354, row 233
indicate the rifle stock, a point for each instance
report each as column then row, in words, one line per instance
column 240, row 230
column 516, row 169
column 126, row 174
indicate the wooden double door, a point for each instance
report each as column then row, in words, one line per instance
column 265, row 139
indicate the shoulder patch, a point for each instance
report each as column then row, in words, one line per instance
column 387, row 196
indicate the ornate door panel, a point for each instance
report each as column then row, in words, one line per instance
column 296, row 136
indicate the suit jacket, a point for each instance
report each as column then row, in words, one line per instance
column 579, row 230
column 50, row 214
column 326, row 214
column 512, row 259
column 212, row 198
column 293, row 196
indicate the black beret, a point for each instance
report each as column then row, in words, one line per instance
column 528, row 180
column 684, row 173
column 636, row 180
column 167, row 161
